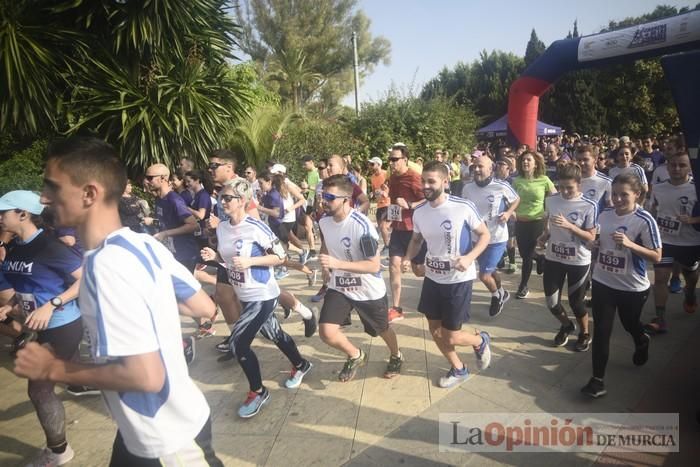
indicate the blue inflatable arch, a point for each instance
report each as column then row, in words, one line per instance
column 676, row 38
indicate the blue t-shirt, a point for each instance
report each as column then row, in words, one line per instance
column 70, row 232
column 171, row 212
column 186, row 197
column 4, row 285
column 272, row 200
column 202, row 199
column 40, row 269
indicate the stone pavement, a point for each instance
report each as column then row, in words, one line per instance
column 373, row 421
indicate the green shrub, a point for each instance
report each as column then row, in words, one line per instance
column 21, row 168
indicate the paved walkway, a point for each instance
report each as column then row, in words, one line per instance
column 373, row 421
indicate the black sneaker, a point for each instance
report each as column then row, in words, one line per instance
column 351, row 366
column 77, row 391
column 188, row 349
column 641, row 351
column 497, row 304
column 522, row 293
column 595, row 388
column 562, row 336
column 311, row 324
column 583, row 343
column 224, row 346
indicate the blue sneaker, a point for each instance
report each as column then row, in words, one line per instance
column 304, row 256
column 320, row 294
column 281, row 274
column 453, row 377
column 253, row 403
column 483, row 353
column 297, row 375
column 675, row 285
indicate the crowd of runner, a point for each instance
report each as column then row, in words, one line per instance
column 90, row 261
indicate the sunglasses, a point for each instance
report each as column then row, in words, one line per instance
column 394, row 159
column 331, row 197
column 151, row 177
column 214, row 165
column 229, row 198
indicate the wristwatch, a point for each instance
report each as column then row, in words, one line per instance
column 56, row 302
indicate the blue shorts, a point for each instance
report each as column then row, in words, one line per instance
column 488, row 260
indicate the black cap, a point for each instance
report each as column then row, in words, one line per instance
column 307, row 158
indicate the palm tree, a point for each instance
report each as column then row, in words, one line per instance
column 296, row 79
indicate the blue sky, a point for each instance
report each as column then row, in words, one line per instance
column 428, row 35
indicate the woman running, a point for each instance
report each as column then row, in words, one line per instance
column 629, row 237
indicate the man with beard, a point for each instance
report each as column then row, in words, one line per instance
column 448, row 224
column 495, row 202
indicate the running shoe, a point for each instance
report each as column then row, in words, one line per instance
column 583, row 343
column 690, row 303
column 48, row 458
column 205, row 330
column 512, row 268
column 224, row 345
column 188, row 349
column 483, row 352
column 253, row 403
column 562, row 336
column 281, row 273
column 297, row 375
column 395, row 314
column 303, row 256
column 453, row 377
column 320, row 294
column 522, row 293
column 393, row 369
column 351, row 366
column 595, row 388
column 656, row 326
column 311, row 324
column 497, row 304
column 78, row 390
column 675, row 285
column 641, row 351
column 312, row 278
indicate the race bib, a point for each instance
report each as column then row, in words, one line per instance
column 347, row 282
column 27, row 302
column 564, row 250
column 669, row 225
column 394, row 212
column 438, row 265
column 237, row 278
column 612, row 261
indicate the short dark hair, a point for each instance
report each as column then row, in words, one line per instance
column 401, row 147
column 569, row 170
column 436, row 166
column 226, row 155
column 87, row 158
column 307, row 158
column 341, row 182
column 629, row 179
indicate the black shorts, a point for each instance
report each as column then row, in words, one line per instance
column 687, row 256
column 398, row 245
column 373, row 313
column 64, row 340
column 382, row 214
column 448, row 303
column 285, row 228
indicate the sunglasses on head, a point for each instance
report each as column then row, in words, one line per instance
column 332, row 197
column 151, row 177
column 394, row 159
column 229, row 198
column 215, row 165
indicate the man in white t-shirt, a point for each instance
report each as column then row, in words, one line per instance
column 129, row 300
column 495, row 202
column 350, row 261
column 448, row 224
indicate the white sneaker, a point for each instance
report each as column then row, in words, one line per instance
column 47, row 458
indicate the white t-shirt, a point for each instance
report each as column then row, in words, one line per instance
column 342, row 239
column 633, row 168
column 597, row 188
column 448, row 233
column 290, row 214
column 673, row 201
column 250, row 238
column 563, row 246
column 660, row 174
column 490, row 201
column 617, row 267
column 128, row 298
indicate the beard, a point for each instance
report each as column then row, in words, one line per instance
column 432, row 195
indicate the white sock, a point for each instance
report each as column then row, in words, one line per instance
column 501, row 292
column 303, row 310
column 497, row 293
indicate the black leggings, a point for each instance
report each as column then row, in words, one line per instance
column 259, row 316
column 576, row 280
column 526, row 234
column 606, row 301
column 64, row 340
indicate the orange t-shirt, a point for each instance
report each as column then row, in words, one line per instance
column 379, row 185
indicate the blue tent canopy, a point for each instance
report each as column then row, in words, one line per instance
column 500, row 128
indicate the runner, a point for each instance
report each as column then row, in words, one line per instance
column 629, row 238
column 45, row 275
column 624, row 165
column 495, row 202
column 672, row 205
column 350, row 260
column 406, row 194
column 595, row 185
column 572, row 224
column 250, row 251
column 505, row 168
column 130, row 283
column 448, row 224
column 380, row 194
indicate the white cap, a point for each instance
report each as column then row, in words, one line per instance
column 278, row 169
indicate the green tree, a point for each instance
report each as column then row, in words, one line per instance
column 535, row 47
column 276, row 32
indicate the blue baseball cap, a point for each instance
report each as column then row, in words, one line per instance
column 21, row 199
